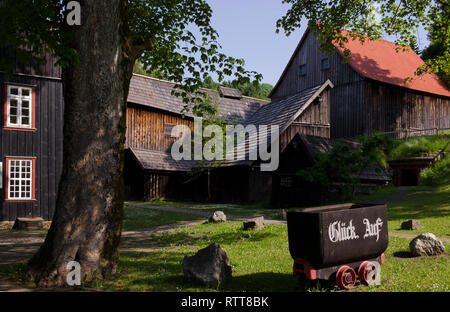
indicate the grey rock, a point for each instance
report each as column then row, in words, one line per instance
column 209, row 266
column 411, row 225
column 218, row 216
column 426, row 244
column 255, row 223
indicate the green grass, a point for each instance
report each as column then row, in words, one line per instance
column 431, row 206
column 261, row 262
column 140, row 218
column 233, row 209
column 418, row 146
column 437, row 174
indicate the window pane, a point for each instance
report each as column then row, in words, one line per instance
column 25, row 92
column 13, row 119
column 25, row 121
column 25, row 104
column 20, row 179
column 14, row 91
column 13, row 103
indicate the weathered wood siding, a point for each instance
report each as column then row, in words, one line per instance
column 391, row 108
column 47, row 69
column 145, row 128
column 315, row 120
column 359, row 105
column 292, row 82
column 45, row 144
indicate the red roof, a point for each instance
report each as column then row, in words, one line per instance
column 378, row 60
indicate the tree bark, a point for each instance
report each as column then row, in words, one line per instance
column 87, row 223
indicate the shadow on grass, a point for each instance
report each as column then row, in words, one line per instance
column 403, row 255
column 422, row 203
column 164, row 272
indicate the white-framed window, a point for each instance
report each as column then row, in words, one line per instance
column 20, row 178
column 19, row 107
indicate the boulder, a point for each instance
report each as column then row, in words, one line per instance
column 426, row 244
column 411, row 225
column 209, row 266
column 255, row 223
column 218, row 216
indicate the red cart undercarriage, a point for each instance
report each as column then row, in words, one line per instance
column 367, row 271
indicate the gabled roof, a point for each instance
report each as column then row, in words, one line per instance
column 281, row 113
column 378, row 60
column 156, row 93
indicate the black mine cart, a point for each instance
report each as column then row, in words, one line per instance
column 344, row 242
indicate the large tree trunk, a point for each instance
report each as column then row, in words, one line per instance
column 87, row 224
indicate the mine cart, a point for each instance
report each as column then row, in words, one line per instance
column 342, row 242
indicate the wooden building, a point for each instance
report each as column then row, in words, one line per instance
column 370, row 92
column 152, row 112
column 31, row 140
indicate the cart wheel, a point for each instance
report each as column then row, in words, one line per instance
column 345, row 277
column 368, row 273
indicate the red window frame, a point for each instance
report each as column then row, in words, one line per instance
column 33, row 108
column 33, row 179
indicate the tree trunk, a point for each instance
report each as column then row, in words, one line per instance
column 87, row 223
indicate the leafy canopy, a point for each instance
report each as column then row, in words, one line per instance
column 372, row 18
column 160, row 31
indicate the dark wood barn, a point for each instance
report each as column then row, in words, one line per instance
column 370, row 93
column 30, row 140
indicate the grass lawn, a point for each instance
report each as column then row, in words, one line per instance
column 141, row 218
column 261, row 262
column 431, row 206
column 233, row 209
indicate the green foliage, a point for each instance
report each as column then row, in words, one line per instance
column 437, row 54
column 345, row 163
column 419, row 146
column 437, row 174
column 138, row 68
column 373, row 19
column 160, row 32
column 252, row 89
column 37, row 27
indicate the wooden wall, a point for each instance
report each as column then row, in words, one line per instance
column 315, row 120
column 292, row 82
column 391, row 108
column 47, row 69
column 45, row 144
column 145, row 128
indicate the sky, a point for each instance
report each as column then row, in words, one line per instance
column 247, row 30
